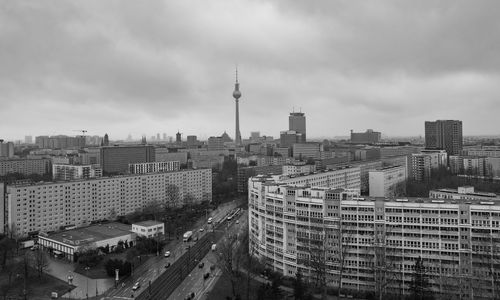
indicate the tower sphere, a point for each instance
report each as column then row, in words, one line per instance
column 236, row 94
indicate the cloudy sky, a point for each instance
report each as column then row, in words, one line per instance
column 142, row 67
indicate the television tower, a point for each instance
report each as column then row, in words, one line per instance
column 236, row 96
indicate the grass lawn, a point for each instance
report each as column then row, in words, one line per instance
column 37, row 289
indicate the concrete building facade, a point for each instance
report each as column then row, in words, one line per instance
column 154, row 167
column 25, row 166
column 116, row 159
column 295, row 228
column 44, row 207
column 445, row 135
column 74, row 172
column 387, row 181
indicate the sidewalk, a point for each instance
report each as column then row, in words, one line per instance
column 62, row 269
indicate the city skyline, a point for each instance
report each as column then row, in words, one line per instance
column 127, row 68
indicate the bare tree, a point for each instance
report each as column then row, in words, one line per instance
column 173, row 195
column 226, row 259
column 39, row 261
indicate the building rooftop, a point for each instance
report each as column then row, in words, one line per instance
column 90, row 234
column 148, row 223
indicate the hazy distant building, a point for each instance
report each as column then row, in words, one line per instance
column 105, row 142
column 60, row 142
column 6, row 149
column 297, row 123
column 290, row 137
column 116, row 159
column 254, row 135
column 444, row 134
column 28, row 139
column 215, row 143
column 192, row 141
column 225, row 138
column 178, row 138
column 163, row 154
column 307, row 150
column 367, row 137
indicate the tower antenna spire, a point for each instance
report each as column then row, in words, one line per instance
column 236, row 73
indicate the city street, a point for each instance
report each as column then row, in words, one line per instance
column 195, row 282
column 155, row 266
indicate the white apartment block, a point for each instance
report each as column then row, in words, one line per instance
column 387, row 181
column 154, row 167
column 45, row 207
column 293, row 227
column 74, row 172
column 439, row 158
column 298, row 169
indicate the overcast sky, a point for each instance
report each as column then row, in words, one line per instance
column 147, row 67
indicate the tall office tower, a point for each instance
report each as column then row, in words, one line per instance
column 106, row 140
column 297, row 122
column 237, row 96
column 164, row 136
column 158, row 137
column 444, row 134
column 178, row 137
column 28, row 139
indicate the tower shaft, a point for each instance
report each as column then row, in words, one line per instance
column 237, row 133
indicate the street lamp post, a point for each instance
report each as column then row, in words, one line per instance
column 87, row 275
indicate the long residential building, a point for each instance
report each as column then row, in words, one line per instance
column 154, row 167
column 388, row 181
column 25, row 166
column 45, row 207
column 372, row 244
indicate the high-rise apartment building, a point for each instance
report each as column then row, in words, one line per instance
column 445, row 135
column 297, row 123
column 420, row 167
column 44, row 207
column 115, row 159
column 297, row 228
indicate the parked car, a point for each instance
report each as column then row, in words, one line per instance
column 136, row 286
column 237, row 221
column 201, row 229
column 201, row 265
column 167, row 254
column 206, row 275
column 167, row 265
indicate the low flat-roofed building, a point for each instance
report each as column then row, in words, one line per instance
column 67, row 243
column 149, row 228
column 463, row 193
